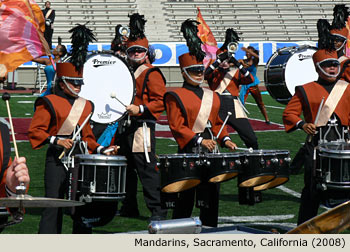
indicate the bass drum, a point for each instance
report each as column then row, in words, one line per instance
column 287, row 68
column 105, row 74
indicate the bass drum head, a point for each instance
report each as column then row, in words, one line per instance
column 300, row 69
column 105, row 74
column 287, row 68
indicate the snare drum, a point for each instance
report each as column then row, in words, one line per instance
column 281, row 167
column 257, row 168
column 105, row 74
column 222, row 166
column 334, row 165
column 179, row 172
column 101, row 177
column 287, row 68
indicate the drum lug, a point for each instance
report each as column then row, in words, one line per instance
column 246, row 161
column 92, row 187
column 287, row 159
column 262, row 161
column 274, row 160
column 167, row 163
column 223, row 162
column 238, row 162
column 184, row 163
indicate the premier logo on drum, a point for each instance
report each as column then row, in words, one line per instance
column 304, row 57
column 104, row 116
column 98, row 63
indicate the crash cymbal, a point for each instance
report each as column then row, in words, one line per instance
column 332, row 221
column 28, row 201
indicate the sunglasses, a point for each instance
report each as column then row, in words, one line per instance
column 195, row 70
column 330, row 63
column 136, row 50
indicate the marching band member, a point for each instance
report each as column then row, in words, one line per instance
column 335, row 111
column 192, row 112
column 340, row 34
column 57, row 117
column 137, row 139
column 226, row 82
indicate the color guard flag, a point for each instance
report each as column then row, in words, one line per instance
column 347, row 49
column 21, row 34
column 209, row 45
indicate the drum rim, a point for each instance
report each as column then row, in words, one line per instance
column 100, row 157
column 178, row 155
column 94, row 53
column 323, row 148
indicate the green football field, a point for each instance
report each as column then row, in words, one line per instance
column 278, row 210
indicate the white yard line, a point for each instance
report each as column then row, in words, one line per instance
column 267, row 106
column 262, row 218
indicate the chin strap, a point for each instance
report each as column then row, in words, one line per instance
column 198, row 82
column 71, row 90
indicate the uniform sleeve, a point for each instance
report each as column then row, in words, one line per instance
column 38, row 131
column 182, row 134
column 156, row 90
column 89, row 137
column 292, row 112
column 243, row 80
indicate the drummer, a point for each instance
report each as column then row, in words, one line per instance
column 340, row 33
column 140, row 131
column 57, row 117
column 11, row 172
column 334, row 116
column 225, row 80
column 185, row 106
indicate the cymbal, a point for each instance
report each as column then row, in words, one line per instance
column 28, row 201
column 332, row 221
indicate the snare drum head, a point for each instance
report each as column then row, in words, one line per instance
column 300, row 69
column 105, row 74
column 335, row 149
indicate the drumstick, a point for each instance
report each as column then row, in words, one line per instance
column 76, row 134
column 110, row 150
column 113, row 95
column 244, row 149
column 6, row 97
column 222, row 127
column 316, row 118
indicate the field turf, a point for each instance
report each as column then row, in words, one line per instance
column 277, row 210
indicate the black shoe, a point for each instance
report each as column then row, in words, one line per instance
column 268, row 122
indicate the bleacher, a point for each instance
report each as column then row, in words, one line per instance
column 102, row 15
column 256, row 20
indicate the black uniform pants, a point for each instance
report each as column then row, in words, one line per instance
column 56, row 183
column 137, row 166
column 207, row 199
column 241, row 125
column 310, row 196
column 48, row 35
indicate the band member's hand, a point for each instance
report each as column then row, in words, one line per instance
column 111, row 150
column 133, row 109
column 231, row 145
column 209, row 144
column 66, row 143
column 309, row 128
column 16, row 173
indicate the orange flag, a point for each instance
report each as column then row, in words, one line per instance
column 347, row 49
column 21, row 34
column 209, row 42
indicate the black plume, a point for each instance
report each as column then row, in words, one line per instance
column 340, row 15
column 137, row 26
column 231, row 36
column 325, row 38
column 59, row 40
column 81, row 37
column 189, row 30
